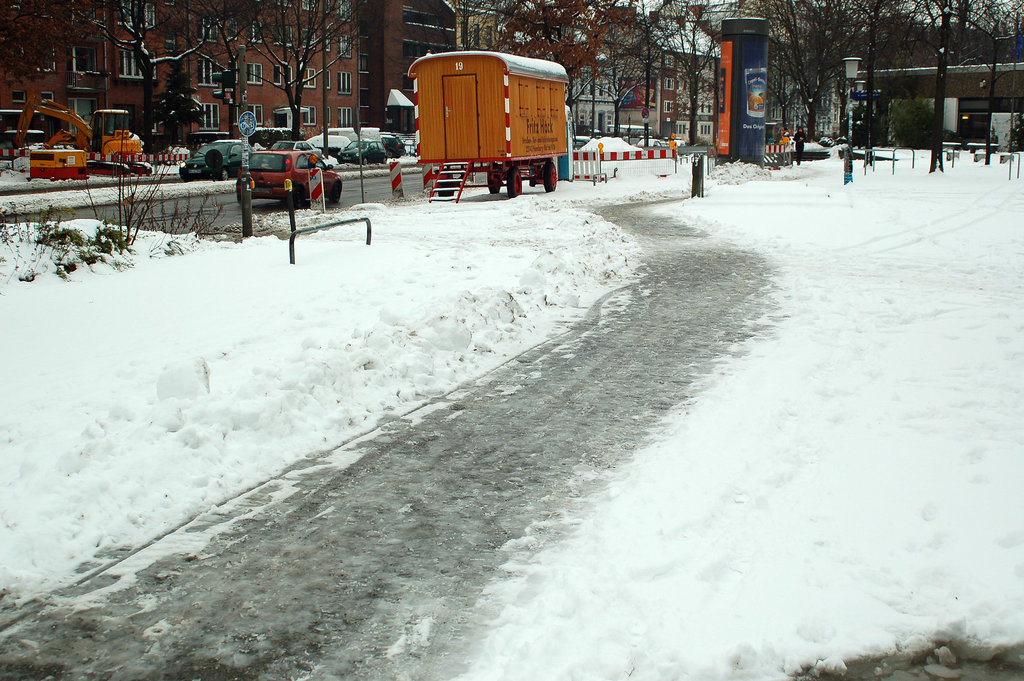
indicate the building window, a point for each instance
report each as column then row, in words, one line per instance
column 205, row 71
column 345, row 47
column 254, row 73
column 211, row 117
column 364, row 63
column 415, row 50
column 18, row 96
column 309, row 115
column 310, row 80
column 344, row 116
column 670, row 84
column 47, row 95
column 129, row 65
column 705, row 128
column 414, row 18
column 667, row 108
column 83, row 60
column 257, row 111
column 344, row 82
column 281, row 76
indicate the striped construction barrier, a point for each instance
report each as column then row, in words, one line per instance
column 779, row 154
column 139, row 158
column 587, row 165
column 396, row 179
column 316, row 185
column 429, row 173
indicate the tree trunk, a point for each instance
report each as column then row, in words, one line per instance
column 148, row 71
column 991, row 103
column 940, row 94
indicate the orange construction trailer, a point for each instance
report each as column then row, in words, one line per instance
column 489, row 113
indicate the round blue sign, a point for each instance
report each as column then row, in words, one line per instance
column 247, row 123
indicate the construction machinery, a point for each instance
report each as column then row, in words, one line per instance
column 108, row 134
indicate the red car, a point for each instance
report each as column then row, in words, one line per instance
column 269, row 170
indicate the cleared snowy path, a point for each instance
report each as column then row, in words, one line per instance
column 372, row 571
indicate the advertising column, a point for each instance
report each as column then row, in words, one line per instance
column 743, row 83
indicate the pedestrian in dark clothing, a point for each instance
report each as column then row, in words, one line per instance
column 800, row 137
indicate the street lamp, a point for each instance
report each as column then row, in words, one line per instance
column 851, row 64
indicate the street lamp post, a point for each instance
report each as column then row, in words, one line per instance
column 851, row 64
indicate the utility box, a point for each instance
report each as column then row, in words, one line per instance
column 491, row 112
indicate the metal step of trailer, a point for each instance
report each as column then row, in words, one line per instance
column 450, row 181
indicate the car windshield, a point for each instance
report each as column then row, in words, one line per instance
column 272, row 162
column 283, row 144
column 202, row 151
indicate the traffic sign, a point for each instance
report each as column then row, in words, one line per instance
column 645, row 112
column 862, row 96
column 247, row 123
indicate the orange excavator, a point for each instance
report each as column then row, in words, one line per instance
column 108, row 134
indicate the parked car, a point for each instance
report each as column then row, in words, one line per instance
column 269, row 170
column 372, row 152
column 215, row 161
column 298, row 145
column 335, row 143
column 393, row 145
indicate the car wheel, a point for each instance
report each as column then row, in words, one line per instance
column 299, row 196
column 335, row 195
column 185, row 178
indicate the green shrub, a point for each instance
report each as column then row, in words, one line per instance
column 912, row 123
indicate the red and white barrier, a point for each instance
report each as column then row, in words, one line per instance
column 779, row 148
column 140, row 158
column 429, row 173
column 396, row 179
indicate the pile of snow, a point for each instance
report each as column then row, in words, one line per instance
column 609, row 144
column 739, row 173
column 145, row 396
column 848, row 486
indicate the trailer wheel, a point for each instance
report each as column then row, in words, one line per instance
column 493, row 182
column 550, row 177
column 515, row 183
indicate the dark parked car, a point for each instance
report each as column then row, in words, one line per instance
column 300, row 145
column 215, row 161
column 393, row 145
column 373, row 152
column 269, row 169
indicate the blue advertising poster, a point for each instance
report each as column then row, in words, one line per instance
column 753, row 75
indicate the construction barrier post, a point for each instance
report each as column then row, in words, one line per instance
column 429, row 172
column 396, row 180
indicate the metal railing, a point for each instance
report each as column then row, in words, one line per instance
column 316, row 228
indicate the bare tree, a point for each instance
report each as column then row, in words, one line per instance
column 570, row 32
column 810, row 38
column 693, row 43
column 136, row 31
column 23, row 51
column 293, row 36
column 995, row 22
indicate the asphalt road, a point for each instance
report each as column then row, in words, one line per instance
column 328, row 580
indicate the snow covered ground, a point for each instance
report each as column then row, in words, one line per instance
column 848, row 486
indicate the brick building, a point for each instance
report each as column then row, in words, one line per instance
column 366, row 77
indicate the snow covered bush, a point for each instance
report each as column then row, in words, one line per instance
column 28, row 249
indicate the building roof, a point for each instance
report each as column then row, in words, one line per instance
column 514, row 64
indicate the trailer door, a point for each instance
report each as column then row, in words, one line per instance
column 461, row 117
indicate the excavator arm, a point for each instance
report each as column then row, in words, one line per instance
column 55, row 110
